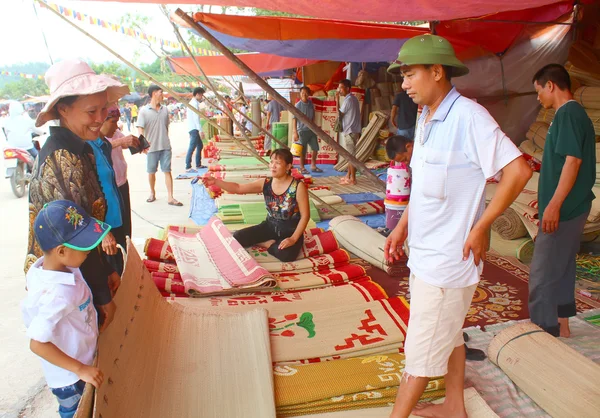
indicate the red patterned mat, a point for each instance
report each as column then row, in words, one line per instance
column 500, row 297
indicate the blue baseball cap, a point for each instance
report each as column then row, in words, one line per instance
column 63, row 222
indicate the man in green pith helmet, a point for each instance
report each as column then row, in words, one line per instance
column 457, row 147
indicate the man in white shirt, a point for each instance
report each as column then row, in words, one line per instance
column 351, row 126
column 458, row 145
column 19, row 127
column 195, row 125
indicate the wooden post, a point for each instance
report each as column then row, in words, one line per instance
column 287, row 105
column 263, row 130
column 209, row 82
column 250, row 149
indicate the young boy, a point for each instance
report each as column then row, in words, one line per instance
column 399, row 148
column 58, row 310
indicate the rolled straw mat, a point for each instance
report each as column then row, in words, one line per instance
column 162, row 360
column 509, row 225
column 595, row 117
column 588, row 97
column 476, row 408
column 537, row 133
column 521, row 248
column 362, row 241
column 559, row 379
column 546, row 115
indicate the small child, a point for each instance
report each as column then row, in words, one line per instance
column 399, row 148
column 58, row 310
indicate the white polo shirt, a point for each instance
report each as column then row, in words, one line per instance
column 454, row 153
column 59, row 309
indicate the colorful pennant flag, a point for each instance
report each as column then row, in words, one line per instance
column 82, row 17
column 127, row 79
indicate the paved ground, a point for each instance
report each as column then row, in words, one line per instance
column 23, row 392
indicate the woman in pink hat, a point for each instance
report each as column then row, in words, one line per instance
column 66, row 167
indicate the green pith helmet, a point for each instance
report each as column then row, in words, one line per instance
column 428, row 49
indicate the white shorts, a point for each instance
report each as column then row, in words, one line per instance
column 435, row 326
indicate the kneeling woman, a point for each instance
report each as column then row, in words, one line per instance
column 282, row 233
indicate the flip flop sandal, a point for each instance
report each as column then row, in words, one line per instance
column 151, row 199
column 305, row 171
column 316, row 170
column 175, row 203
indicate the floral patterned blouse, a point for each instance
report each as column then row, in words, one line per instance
column 282, row 207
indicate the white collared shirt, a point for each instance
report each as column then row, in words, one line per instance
column 193, row 120
column 59, row 309
column 454, row 153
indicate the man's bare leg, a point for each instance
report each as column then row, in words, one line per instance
column 313, row 160
column 565, row 331
column 410, row 390
column 454, row 404
column 152, row 181
column 169, row 184
column 302, row 161
column 352, row 173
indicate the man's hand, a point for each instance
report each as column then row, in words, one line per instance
column 477, row 242
column 109, row 244
column 288, row 242
column 108, row 312
column 90, row 374
column 296, row 137
column 131, row 141
column 268, row 126
column 551, row 218
column 393, row 244
column 114, row 281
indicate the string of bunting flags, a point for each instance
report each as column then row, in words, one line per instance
column 127, row 79
column 115, row 27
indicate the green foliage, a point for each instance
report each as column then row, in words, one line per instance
column 16, row 90
column 264, row 12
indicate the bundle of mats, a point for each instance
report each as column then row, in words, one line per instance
column 366, row 243
column 253, row 213
column 474, row 404
column 178, row 372
column 559, row 379
column 320, row 263
column 520, row 222
column 213, row 262
column 343, row 385
column 369, row 139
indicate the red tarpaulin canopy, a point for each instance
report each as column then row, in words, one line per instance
column 339, row 40
column 222, row 66
column 376, row 10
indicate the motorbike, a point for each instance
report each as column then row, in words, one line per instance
column 19, row 166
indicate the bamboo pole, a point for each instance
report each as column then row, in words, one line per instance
column 287, row 105
column 261, row 128
column 210, row 85
column 250, row 149
column 222, row 100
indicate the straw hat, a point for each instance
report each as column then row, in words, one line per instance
column 76, row 78
column 428, row 49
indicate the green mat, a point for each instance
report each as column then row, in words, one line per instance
column 239, row 161
column 594, row 320
column 253, row 213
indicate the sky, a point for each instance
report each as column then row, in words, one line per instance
column 22, row 41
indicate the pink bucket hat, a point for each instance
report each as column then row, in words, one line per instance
column 76, row 78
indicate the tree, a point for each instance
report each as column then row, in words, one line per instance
column 17, row 90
